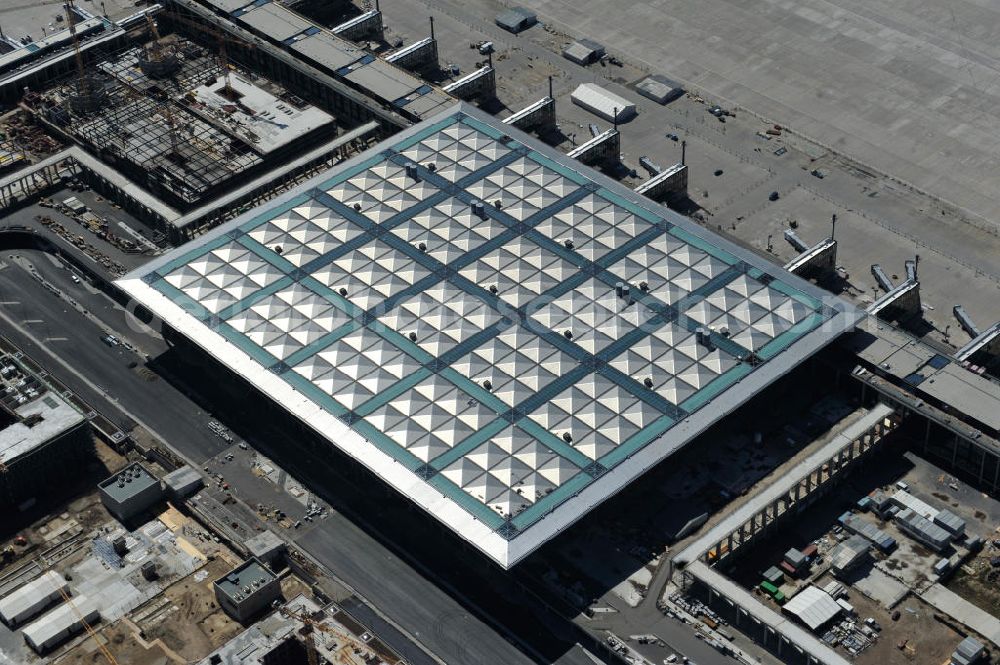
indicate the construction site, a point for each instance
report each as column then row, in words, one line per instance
column 178, row 118
column 80, row 586
column 580, row 357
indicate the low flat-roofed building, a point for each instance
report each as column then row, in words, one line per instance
column 659, row 88
column 905, row 500
column 43, row 435
column 182, row 482
column 849, row 555
column 859, row 525
column 130, row 491
column 923, row 530
column 55, row 627
column 516, row 19
column 247, row 590
column 795, row 559
column 950, row 522
column 584, row 51
column 30, row 600
column 969, row 651
column 774, row 575
column 267, row 548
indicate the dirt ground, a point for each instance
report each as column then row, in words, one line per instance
column 195, row 625
column 81, row 505
column 927, row 639
column 122, row 643
column 979, row 582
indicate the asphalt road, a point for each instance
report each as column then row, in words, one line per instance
column 68, row 343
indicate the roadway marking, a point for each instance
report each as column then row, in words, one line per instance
column 10, row 302
column 57, row 339
column 30, row 321
column 122, row 409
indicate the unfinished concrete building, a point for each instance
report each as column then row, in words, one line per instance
column 42, row 434
column 172, row 117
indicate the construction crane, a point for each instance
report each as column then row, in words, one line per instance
column 310, row 645
column 155, row 49
column 348, row 644
column 220, row 36
column 82, row 83
column 90, row 631
column 71, row 22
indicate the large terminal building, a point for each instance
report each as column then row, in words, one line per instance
column 501, row 334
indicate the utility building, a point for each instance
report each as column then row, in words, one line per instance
column 849, row 555
column 130, row 492
column 247, row 590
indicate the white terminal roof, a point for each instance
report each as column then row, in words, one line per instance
column 476, row 356
column 263, row 120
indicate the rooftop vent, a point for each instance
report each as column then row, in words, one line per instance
column 411, row 171
column 478, row 209
column 704, row 337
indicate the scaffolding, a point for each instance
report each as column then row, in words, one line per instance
column 143, row 125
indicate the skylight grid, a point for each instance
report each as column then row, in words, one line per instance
column 494, row 323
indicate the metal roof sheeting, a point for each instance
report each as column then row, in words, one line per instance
column 603, row 103
column 950, row 522
column 848, row 553
column 861, row 526
column 31, row 598
column 54, row 627
column 923, row 529
column 813, row 607
column 906, row 500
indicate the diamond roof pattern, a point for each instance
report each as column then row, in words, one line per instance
column 507, row 356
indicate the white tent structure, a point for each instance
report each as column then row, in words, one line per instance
column 813, row 607
column 604, row 103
